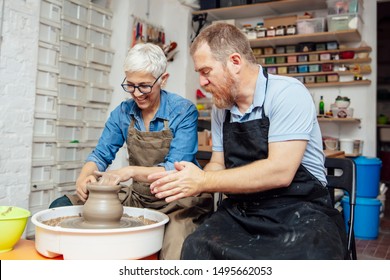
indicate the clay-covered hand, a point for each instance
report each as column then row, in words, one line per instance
column 107, row 178
column 119, row 175
column 187, row 180
column 81, row 186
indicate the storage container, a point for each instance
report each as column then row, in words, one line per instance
column 100, row 55
column 42, row 174
column 310, row 79
column 314, row 68
column 43, row 151
column 325, row 56
column 257, row 51
column 303, row 58
column 271, row 70
column 69, row 152
column 292, row 69
column 305, row 47
column 67, row 173
column 308, row 26
column 69, row 131
column 292, row 59
column 92, row 132
column 72, row 69
column 99, row 17
column 345, row 6
column 320, row 46
column 49, row 32
column 332, row 45
column 291, row 49
column 321, row 79
column 95, row 113
column 344, row 22
column 367, row 211
column 46, row 104
column 327, row 67
column 280, row 59
column 51, row 10
column 44, row 128
column 73, row 49
column 73, row 29
column 303, row 68
column 270, row 60
column 367, row 176
column 332, row 78
column 48, row 56
column 98, row 37
column 280, row 49
column 98, row 74
column 69, row 112
column 98, row 93
column 47, row 80
column 313, row 57
column 282, row 70
column 41, row 198
column 76, row 10
column 69, row 90
column 269, row 50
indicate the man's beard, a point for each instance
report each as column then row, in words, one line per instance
column 224, row 94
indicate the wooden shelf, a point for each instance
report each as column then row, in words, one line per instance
column 356, row 50
column 339, row 84
column 345, row 36
column 340, row 61
column 341, row 73
column 273, row 8
column 338, row 120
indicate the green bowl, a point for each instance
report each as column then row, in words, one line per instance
column 13, row 222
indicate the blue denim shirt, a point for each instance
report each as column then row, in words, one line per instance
column 182, row 117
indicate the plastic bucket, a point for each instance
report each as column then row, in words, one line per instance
column 367, row 212
column 368, row 172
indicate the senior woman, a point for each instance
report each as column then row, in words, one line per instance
column 159, row 128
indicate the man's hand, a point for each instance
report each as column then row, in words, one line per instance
column 187, row 180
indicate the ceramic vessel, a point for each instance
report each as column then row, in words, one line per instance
column 91, row 244
column 103, row 208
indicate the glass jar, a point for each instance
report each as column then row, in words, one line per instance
column 280, row 30
column 271, row 32
column 291, row 29
column 261, row 30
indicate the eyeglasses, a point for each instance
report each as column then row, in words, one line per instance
column 144, row 89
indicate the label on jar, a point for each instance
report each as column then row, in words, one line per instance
column 291, row 30
column 270, row 32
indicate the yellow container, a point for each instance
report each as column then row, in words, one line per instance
column 13, row 222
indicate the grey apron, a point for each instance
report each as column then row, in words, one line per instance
column 297, row 222
column 148, row 148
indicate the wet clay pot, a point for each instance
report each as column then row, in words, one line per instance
column 103, row 208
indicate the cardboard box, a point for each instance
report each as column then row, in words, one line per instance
column 204, row 138
column 283, row 20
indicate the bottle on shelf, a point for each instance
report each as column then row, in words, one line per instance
column 322, row 106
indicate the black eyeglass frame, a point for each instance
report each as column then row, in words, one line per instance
column 125, row 86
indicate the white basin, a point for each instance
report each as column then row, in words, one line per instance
column 108, row 244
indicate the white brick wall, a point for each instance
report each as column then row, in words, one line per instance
column 18, row 67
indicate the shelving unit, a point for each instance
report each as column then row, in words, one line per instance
column 339, row 120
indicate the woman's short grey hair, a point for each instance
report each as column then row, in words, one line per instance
column 146, row 57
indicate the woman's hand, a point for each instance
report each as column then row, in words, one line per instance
column 81, row 186
column 120, row 175
column 187, row 180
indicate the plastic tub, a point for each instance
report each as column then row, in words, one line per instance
column 367, row 176
column 367, row 212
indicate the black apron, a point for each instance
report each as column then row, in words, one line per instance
column 297, row 222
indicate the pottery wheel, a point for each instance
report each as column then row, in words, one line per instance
column 80, row 223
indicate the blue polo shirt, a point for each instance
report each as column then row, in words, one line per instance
column 292, row 114
column 182, row 117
